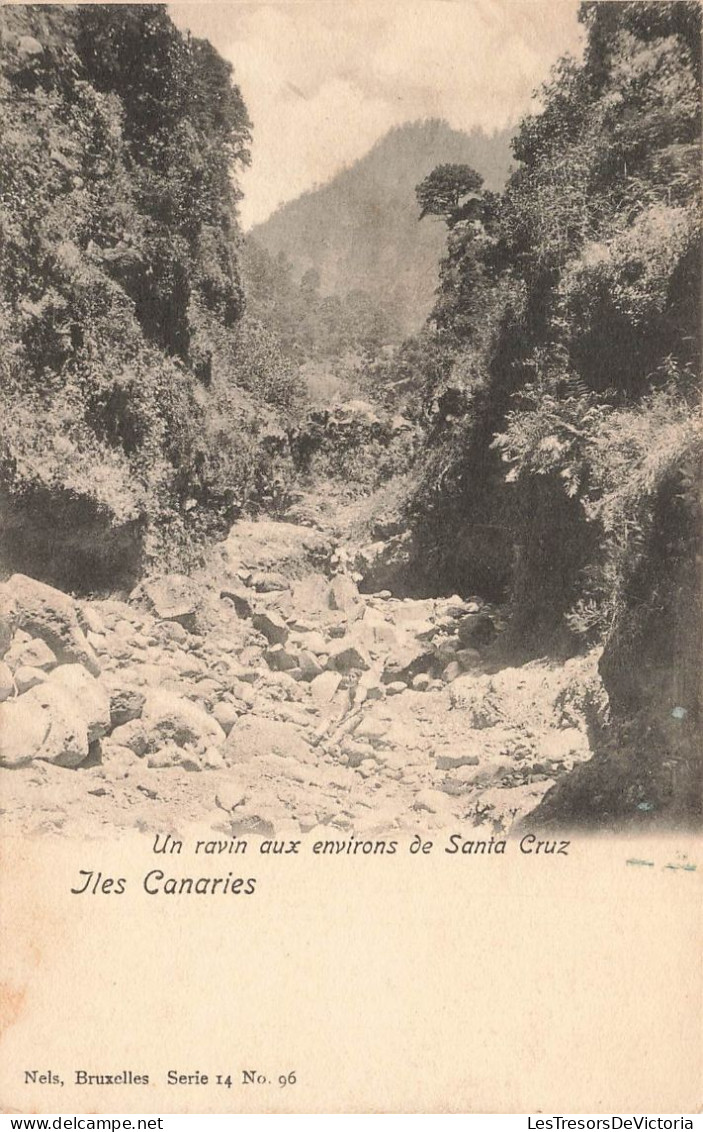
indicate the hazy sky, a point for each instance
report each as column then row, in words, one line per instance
column 324, row 79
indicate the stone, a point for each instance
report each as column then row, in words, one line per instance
column 226, row 715
column 272, row 626
column 168, row 716
column 467, row 658
column 7, row 683
column 28, row 47
column 345, row 655
column 90, row 620
column 269, row 582
column 172, row 631
column 254, row 737
column 410, row 611
column 476, row 629
column 372, row 730
column 88, row 694
column 434, row 801
column 370, row 686
column 22, row 732
column 324, row 687
column 165, row 758
column 132, row 735
column 213, row 759
column 125, row 704
column 65, row 741
column 309, row 665
column 171, row 597
column 315, row 642
column 406, row 659
column 343, row 594
column 240, row 598
column 452, row 671
column 421, row 682
column 450, row 761
column 281, row 659
column 375, row 633
column 396, row 687
column 26, row 678
column 47, row 613
column 34, row 653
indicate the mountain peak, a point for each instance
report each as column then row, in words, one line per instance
column 360, row 230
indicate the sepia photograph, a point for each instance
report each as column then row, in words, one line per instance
column 350, row 483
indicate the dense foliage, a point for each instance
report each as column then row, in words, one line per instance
column 566, row 476
column 359, row 232
column 133, row 390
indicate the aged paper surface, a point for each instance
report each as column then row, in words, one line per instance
column 405, row 985
column 559, row 973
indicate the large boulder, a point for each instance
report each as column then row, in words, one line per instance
column 171, row 597
column 45, row 723
column 90, row 697
column 45, row 612
column 22, row 732
column 168, row 716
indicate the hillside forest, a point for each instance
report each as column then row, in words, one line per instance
column 471, row 361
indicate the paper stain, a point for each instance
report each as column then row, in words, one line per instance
column 11, row 1006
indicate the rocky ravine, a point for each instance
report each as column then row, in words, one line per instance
column 268, row 696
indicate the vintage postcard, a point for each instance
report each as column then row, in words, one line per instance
column 350, row 576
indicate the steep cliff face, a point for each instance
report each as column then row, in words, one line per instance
column 130, row 385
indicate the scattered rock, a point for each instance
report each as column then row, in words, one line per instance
column 132, row 735
column 169, row 716
column 281, row 659
column 88, row 695
column 324, row 686
column 345, row 656
column 272, row 625
column 125, row 704
column 226, row 715
column 171, row 631
column 64, row 721
column 434, row 801
column 33, row 653
column 343, row 594
column 22, row 732
column 269, row 582
column 310, row 667
column 447, row 761
column 240, row 599
column 451, row 672
column 171, row 597
column 47, row 613
column 421, row 682
column 476, row 629
column 7, row 684
column 253, row 738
